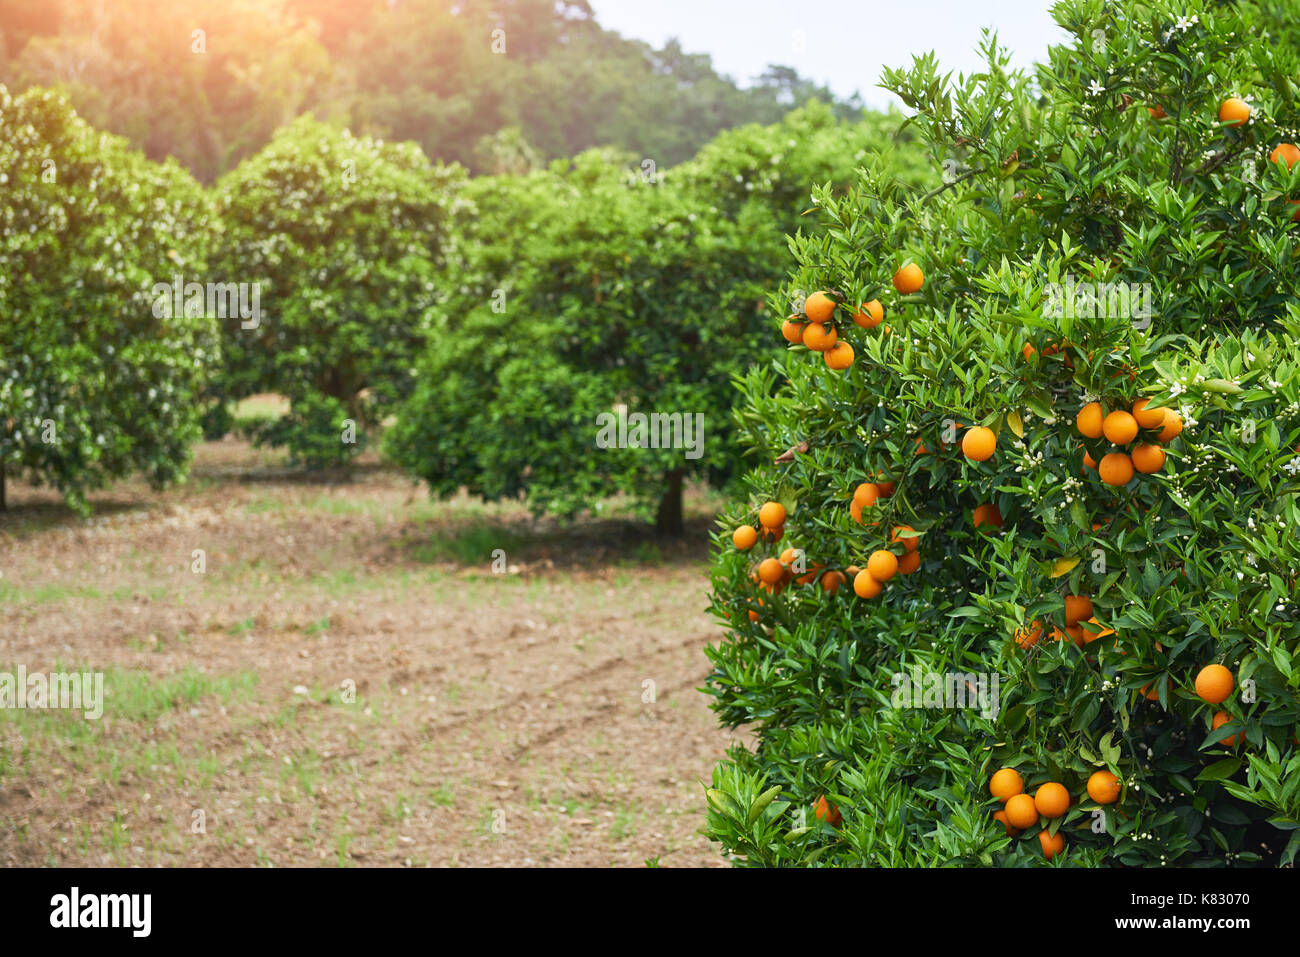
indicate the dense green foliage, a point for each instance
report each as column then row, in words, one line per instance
column 96, row 379
column 345, row 238
column 1194, row 564
column 606, row 283
column 435, row 72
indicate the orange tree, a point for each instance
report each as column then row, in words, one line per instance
column 1069, row 520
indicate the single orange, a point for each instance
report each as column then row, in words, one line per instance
column 1051, row 844
column 1287, row 153
column 909, row 279
column 869, row 314
column 832, row 580
column 792, row 330
column 866, row 494
column 1027, row 637
column 1148, row 418
column 908, row 543
column 1214, row 684
column 771, row 535
column 1120, row 427
column 819, row 307
column 818, row 337
column 839, row 356
column 1052, row 799
column 1173, row 427
column 882, row 565
column 1234, row 111
column 744, row 537
column 772, row 514
column 826, row 811
column 1005, row 783
column 1077, row 608
column 1001, row 817
column 864, row 586
column 1220, row 719
column 1021, row 811
column 1088, row 421
column 770, row 571
column 1116, row 468
column 979, row 443
column 1103, row 787
column 987, row 514
column 1148, row 459
column 909, row 563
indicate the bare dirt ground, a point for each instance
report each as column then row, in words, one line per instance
column 346, row 681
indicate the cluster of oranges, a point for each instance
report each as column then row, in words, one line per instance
column 1121, row 429
column 816, row 329
column 1081, row 625
column 1050, row 801
column 882, row 564
column 771, row 526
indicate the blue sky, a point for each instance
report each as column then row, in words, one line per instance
column 844, row 42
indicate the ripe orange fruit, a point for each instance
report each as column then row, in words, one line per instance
column 1234, row 111
column 987, row 514
column 882, row 565
column 1220, row 719
column 1103, row 787
column 819, row 338
column 1115, row 468
column 1077, row 608
column 1088, row 461
column 1001, row 816
column 865, row 495
column 979, row 443
column 819, row 307
column 1150, row 692
column 826, row 811
column 1052, row 799
column 1028, row 352
column 744, row 537
column 1006, row 783
column 909, row 563
column 1157, row 112
column 886, row 487
column 1286, row 152
column 831, row 581
column 909, row 279
column 769, row 534
column 1090, row 635
column 1214, row 684
column 864, row 586
column 839, row 356
column 1021, row 811
column 770, row 571
column 1152, row 418
column 1088, row 421
column 1027, row 637
column 772, row 514
column 1173, row 427
column 1120, row 427
column 792, row 330
column 1051, row 844
column 908, row 543
column 1148, row 458
column 869, row 314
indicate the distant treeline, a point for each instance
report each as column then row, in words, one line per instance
column 496, row 85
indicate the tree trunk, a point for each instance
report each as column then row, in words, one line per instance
column 669, row 519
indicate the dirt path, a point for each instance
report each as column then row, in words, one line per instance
column 346, row 680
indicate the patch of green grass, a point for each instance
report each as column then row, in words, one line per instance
column 45, row 594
